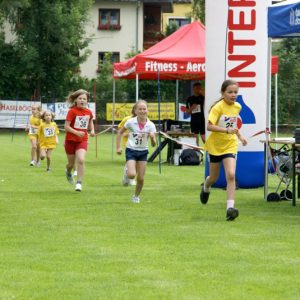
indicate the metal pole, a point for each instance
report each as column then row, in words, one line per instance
column 136, row 87
column 276, row 105
column 113, row 119
column 159, row 123
column 267, row 135
column 176, row 100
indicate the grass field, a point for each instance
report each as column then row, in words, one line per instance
column 59, row 244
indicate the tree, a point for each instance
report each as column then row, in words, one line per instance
column 52, row 40
column 288, row 51
column 198, row 10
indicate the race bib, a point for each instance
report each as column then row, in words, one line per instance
column 197, row 109
column 81, row 122
column 228, row 122
column 140, row 139
column 32, row 130
column 49, row 131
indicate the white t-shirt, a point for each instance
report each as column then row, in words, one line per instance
column 137, row 137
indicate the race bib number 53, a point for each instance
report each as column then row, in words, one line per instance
column 81, row 122
column 49, row 131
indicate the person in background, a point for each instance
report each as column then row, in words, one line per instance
column 126, row 181
column 222, row 144
column 79, row 119
column 140, row 128
column 32, row 129
column 47, row 137
column 195, row 108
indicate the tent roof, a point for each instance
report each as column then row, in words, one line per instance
column 178, row 56
column 284, row 19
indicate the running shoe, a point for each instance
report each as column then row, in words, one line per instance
column 203, row 195
column 231, row 214
column 69, row 177
column 135, row 199
column 78, row 187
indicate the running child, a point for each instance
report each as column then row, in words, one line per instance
column 79, row 119
column 222, row 144
column 32, row 129
column 140, row 128
column 47, row 137
column 126, row 181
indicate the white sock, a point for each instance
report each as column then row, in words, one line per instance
column 205, row 188
column 230, row 203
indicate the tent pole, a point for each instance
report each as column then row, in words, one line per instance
column 276, row 105
column 113, row 119
column 267, row 134
column 176, row 100
column 136, row 87
column 159, row 123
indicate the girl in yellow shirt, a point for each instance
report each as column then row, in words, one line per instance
column 32, row 128
column 222, row 144
column 47, row 137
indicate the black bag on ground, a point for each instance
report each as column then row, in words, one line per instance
column 189, row 157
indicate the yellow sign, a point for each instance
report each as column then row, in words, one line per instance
column 122, row 110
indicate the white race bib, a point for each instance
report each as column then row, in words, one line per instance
column 81, row 122
column 197, row 109
column 32, row 130
column 49, row 131
column 228, row 122
column 140, row 140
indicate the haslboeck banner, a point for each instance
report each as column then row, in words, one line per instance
column 237, row 48
column 122, row 110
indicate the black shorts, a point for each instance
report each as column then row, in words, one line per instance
column 136, row 155
column 219, row 158
column 198, row 127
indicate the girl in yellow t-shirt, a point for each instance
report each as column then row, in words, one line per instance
column 47, row 137
column 32, row 128
column 222, row 144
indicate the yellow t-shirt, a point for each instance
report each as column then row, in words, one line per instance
column 226, row 116
column 35, row 122
column 47, row 135
column 125, row 135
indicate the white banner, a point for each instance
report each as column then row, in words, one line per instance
column 237, row 48
column 60, row 109
column 15, row 113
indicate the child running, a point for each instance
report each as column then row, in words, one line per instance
column 126, row 181
column 78, row 120
column 222, row 144
column 140, row 128
column 47, row 137
column 32, row 129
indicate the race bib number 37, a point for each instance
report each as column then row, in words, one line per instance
column 81, row 122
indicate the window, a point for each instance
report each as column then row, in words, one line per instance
column 109, row 19
column 103, row 56
column 180, row 21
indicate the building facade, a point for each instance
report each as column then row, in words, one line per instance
column 120, row 27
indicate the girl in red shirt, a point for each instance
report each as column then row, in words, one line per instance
column 79, row 119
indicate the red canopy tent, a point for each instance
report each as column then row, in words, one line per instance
column 179, row 56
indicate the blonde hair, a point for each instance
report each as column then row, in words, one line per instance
column 47, row 111
column 39, row 110
column 74, row 95
column 224, row 86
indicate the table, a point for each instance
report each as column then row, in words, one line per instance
column 291, row 143
column 171, row 145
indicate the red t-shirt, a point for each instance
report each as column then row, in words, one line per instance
column 79, row 119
